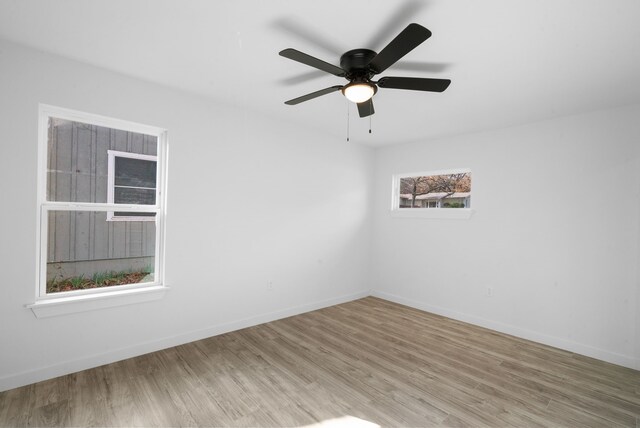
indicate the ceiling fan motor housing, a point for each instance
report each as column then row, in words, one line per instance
column 356, row 64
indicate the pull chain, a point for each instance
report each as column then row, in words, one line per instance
column 347, row 121
column 370, row 122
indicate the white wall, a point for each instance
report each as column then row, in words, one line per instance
column 555, row 233
column 249, row 201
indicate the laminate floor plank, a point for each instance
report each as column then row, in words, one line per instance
column 619, row 410
column 435, row 357
column 367, row 362
column 579, row 417
column 386, row 370
column 19, row 404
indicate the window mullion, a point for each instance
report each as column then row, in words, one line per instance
column 44, row 248
column 74, row 206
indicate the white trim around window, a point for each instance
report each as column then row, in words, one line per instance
column 431, row 213
column 65, row 302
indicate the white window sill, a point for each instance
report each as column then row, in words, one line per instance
column 436, row 213
column 88, row 302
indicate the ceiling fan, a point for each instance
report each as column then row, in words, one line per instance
column 359, row 66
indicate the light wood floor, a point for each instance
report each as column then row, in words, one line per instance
column 368, row 359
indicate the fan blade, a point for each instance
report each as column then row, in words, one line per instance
column 405, row 42
column 305, row 77
column 303, row 30
column 313, row 95
column 425, row 67
column 366, row 108
column 414, row 83
column 312, row 61
column 405, row 13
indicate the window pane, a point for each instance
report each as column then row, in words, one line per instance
column 133, row 214
column 86, row 251
column 436, row 191
column 135, row 172
column 77, row 159
column 127, row 195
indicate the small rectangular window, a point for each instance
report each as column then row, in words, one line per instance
column 101, row 199
column 131, row 180
column 432, row 190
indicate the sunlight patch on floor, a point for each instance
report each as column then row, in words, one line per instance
column 344, row 421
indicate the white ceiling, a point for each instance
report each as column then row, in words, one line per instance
column 510, row 61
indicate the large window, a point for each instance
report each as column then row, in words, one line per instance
column 101, row 205
column 432, row 191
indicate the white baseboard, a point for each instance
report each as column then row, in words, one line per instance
column 40, row 374
column 556, row 342
column 50, row 372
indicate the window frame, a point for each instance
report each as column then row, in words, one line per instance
column 111, row 185
column 51, row 304
column 436, row 213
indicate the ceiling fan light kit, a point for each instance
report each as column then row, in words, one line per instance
column 359, row 92
column 359, row 66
